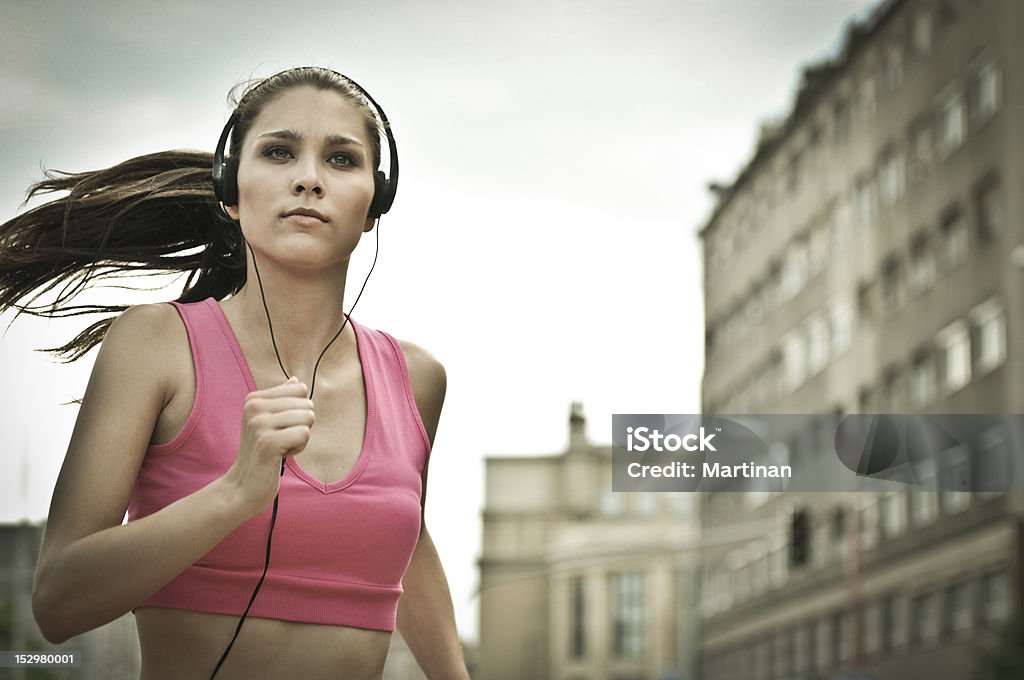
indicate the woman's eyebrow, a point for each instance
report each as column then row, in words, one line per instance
column 340, row 140
column 293, row 136
column 290, row 135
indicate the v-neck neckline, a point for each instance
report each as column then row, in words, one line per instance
column 370, row 395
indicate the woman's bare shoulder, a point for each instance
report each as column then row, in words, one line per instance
column 153, row 336
column 429, row 383
column 148, row 321
column 424, row 364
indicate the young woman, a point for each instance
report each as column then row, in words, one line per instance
column 271, row 453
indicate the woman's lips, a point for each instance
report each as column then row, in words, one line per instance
column 305, row 220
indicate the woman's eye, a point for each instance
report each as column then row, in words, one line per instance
column 277, row 153
column 342, row 159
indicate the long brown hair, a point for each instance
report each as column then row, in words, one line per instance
column 153, row 214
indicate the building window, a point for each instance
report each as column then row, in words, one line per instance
column 759, row 573
column 817, row 344
column 922, row 148
column 628, row 614
column 838, row 538
column 823, row 644
column 717, row 596
column 894, row 285
column 814, row 152
column 895, row 391
column 682, row 503
column 989, row 324
column 868, row 99
column 841, row 642
column 577, row 640
column 892, row 176
column 991, row 463
column 841, row 322
column 707, row 596
column 801, row 649
column 794, row 272
column 773, row 287
column 894, row 291
column 958, row 607
column 892, row 68
column 955, row 479
column 840, row 121
column 952, row 124
column 839, row 224
column 795, row 355
column 645, row 503
column 922, row 32
column 763, row 660
column 793, row 173
column 955, row 349
column 821, row 550
column 924, row 502
column 871, row 628
column 866, row 204
column 894, row 514
column 988, row 204
column 611, row 503
column 987, row 91
column 741, row 581
column 817, row 250
column 777, row 564
column 895, row 620
column 922, row 267
column 926, row 618
column 869, row 519
column 782, row 654
column 867, row 401
column 995, row 597
column 954, row 239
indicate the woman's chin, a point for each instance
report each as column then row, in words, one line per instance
column 308, row 257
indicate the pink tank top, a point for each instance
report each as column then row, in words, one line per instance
column 340, row 549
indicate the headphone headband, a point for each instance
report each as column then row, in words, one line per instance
column 225, row 171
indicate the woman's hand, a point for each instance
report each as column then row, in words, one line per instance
column 275, row 424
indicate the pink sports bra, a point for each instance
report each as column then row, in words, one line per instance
column 339, row 549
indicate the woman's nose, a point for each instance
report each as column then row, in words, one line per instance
column 307, row 180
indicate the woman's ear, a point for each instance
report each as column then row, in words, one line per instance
column 368, row 225
column 231, row 210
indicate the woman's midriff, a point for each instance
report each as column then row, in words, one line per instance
column 181, row 645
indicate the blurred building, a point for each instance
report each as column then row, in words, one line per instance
column 870, row 258
column 578, row 582
column 110, row 652
column 402, row 665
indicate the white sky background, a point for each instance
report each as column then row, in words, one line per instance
column 554, row 155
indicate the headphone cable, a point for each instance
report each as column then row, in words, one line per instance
column 273, row 515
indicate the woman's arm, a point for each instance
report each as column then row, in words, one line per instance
column 91, row 568
column 426, row 619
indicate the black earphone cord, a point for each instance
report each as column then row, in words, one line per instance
column 312, row 386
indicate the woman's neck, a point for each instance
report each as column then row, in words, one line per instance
column 306, row 312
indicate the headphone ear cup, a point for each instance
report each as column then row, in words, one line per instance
column 229, row 182
column 380, row 188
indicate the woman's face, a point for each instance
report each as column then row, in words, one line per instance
column 308, row 150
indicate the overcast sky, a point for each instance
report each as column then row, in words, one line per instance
column 555, row 157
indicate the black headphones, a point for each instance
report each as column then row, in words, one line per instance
column 225, row 172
